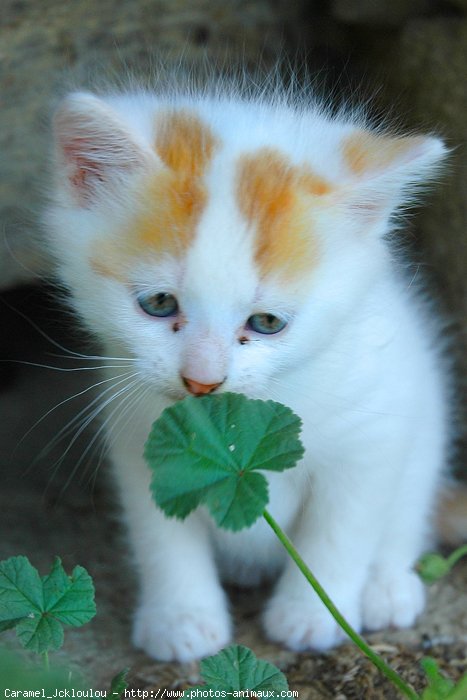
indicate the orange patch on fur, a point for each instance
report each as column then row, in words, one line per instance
column 272, row 194
column 170, row 211
column 176, row 195
column 170, row 206
column 365, row 152
column 184, row 143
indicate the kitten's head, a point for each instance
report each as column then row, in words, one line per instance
column 222, row 242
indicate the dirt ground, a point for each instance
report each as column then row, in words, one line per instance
column 46, row 510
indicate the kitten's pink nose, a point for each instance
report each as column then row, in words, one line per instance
column 199, row 389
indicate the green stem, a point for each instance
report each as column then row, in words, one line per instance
column 45, row 656
column 456, row 555
column 348, row 629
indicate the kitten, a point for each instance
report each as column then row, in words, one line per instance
column 217, row 242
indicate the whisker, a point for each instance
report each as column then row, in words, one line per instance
column 104, row 447
column 70, row 426
column 95, row 357
column 70, row 353
column 40, row 331
column 132, row 386
column 130, row 400
column 70, row 398
column 65, row 369
column 132, row 404
column 94, row 415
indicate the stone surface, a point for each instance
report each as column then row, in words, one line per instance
column 383, row 12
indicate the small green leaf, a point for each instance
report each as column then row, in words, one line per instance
column 38, row 607
column 439, row 687
column 237, row 668
column 207, row 450
column 432, row 567
column 119, row 683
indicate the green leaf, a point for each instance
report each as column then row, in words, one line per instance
column 119, row 683
column 237, row 668
column 38, row 607
column 432, row 567
column 207, row 450
column 20, row 589
column 439, row 687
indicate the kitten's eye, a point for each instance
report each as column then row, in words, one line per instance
column 268, row 324
column 160, row 304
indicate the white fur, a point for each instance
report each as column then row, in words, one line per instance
column 357, row 362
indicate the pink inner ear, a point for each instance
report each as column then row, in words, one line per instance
column 99, row 158
column 94, row 145
column 78, row 152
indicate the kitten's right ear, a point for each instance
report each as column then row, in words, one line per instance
column 93, row 148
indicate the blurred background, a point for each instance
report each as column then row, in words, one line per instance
column 407, row 59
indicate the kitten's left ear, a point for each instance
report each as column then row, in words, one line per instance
column 384, row 172
column 94, row 148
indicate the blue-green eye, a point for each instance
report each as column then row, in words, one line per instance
column 160, row 304
column 268, row 324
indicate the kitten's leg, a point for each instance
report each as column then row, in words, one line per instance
column 183, row 613
column 339, row 530
column 394, row 593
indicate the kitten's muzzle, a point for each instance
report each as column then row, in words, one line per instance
column 198, row 389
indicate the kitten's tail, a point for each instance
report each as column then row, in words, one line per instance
column 452, row 516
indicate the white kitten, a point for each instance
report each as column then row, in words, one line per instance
column 224, row 243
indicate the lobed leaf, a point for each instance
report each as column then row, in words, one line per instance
column 38, row 607
column 237, row 668
column 208, row 450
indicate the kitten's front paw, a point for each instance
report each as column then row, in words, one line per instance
column 392, row 599
column 301, row 626
column 181, row 634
